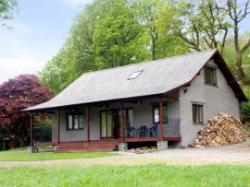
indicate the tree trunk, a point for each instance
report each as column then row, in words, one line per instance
column 153, row 51
column 154, row 38
column 239, row 69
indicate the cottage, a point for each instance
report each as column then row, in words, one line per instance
column 163, row 102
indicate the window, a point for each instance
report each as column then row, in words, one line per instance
column 129, row 117
column 75, row 121
column 106, row 124
column 210, row 76
column 111, row 120
column 198, row 113
column 135, row 75
column 156, row 114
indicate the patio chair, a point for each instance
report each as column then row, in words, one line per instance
column 131, row 132
column 142, row 131
column 153, row 131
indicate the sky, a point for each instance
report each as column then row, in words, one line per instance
column 36, row 33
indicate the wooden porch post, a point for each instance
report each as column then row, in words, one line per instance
column 161, row 117
column 88, row 125
column 31, row 130
column 58, row 125
column 122, row 125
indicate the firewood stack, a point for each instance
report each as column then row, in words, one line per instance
column 222, row 129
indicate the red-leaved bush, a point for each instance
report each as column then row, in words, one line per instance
column 17, row 94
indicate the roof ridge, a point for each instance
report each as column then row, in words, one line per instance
column 150, row 61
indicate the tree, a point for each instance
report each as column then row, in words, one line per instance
column 213, row 24
column 160, row 41
column 147, row 17
column 76, row 55
column 55, row 74
column 237, row 14
column 17, row 94
column 200, row 25
column 116, row 38
column 106, row 34
column 7, row 8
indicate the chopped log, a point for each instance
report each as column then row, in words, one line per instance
column 222, row 129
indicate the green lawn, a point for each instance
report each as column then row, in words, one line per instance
column 23, row 155
column 151, row 175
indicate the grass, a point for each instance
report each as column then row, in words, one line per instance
column 24, row 155
column 150, row 175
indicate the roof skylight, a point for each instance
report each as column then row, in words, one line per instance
column 135, row 75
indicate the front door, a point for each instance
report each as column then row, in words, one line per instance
column 110, row 124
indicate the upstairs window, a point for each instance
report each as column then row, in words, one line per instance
column 74, row 121
column 135, row 75
column 210, row 76
column 198, row 114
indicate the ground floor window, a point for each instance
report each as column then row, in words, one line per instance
column 129, row 113
column 106, row 124
column 75, row 121
column 111, row 121
column 198, row 114
column 156, row 114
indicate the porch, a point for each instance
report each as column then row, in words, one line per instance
column 106, row 126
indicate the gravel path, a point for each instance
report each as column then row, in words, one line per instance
column 233, row 154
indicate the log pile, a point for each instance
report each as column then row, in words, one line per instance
column 141, row 150
column 222, row 129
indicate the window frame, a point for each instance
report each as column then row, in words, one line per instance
column 165, row 120
column 128, row 124
column 135, row 75
column 213, row 71
column 80, row 127
column 125, row 114
column 106, row 113
column 198, row 109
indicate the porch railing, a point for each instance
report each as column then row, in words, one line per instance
column 171, row 129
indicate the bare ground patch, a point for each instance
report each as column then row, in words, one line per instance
column 231, row 154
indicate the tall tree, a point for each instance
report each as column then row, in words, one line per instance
column 213, row 24
column 200, row 25
column 76, row 55
column 237, row 14
column 105, row 34
column 147, row 17
column 155, row 16
column 17, row 94
column 116, row 38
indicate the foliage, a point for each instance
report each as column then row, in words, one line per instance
column 230, row 55
column 7, row 8
column 245, row 109
column 209, row 24
column 55, row 74
column 17, row 94
column 116, row 36
column 237, row 14
column 156, row 17
column 200, row 25
column 111, row 33
column 107, row 34
column 24, row 155
column 149, row 175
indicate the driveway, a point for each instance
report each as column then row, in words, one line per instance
column 232, row 154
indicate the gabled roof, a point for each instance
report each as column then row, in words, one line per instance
column 137, row 80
